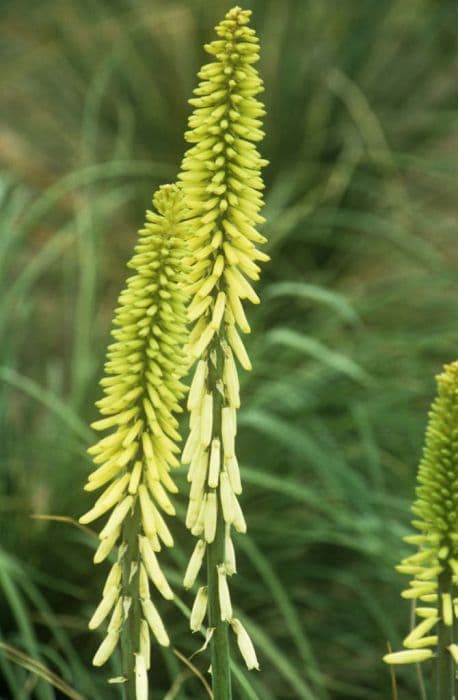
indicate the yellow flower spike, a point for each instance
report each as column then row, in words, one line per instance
column 143, row 391
column 222, row 184
column 434, row 565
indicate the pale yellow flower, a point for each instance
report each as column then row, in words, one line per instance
column 143, row 391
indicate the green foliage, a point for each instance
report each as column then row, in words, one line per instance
column 358, row 317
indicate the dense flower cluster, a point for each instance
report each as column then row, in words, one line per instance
column 434, row 567
column 222, row 185
column 142, row 393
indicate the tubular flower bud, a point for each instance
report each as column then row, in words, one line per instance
column 225, row 604
column 145, row 643
column 195, row 564
column 104, row 608
column 106, row 649
column 142, row 392
column 433, row 567
column 141, row 677
column 222, row 185
column 411, row 656
column 245, row 644
column 199, row 609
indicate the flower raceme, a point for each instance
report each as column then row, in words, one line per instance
column 434, row 567
column 142, row 393
column 222, row 185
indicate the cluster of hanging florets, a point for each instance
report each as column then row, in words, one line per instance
column 143, row 391
column 222, row 185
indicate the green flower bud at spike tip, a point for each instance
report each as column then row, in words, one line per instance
column 221, row 179
column 434, row 567
column 143, row 390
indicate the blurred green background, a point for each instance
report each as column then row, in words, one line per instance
column 358, row 315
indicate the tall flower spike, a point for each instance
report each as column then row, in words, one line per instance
column 142, row 392
column 434, row 567
column 221, row 178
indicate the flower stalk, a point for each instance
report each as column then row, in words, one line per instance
column 434, row 566
column 222, row 185
column 130, row 585
column 216, row 554
column 445, row 684
column 143, row 391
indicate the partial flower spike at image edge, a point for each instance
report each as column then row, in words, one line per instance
column 434, row 566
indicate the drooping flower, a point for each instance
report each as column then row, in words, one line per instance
column 221, row 179
column 143, row 389
column 434, row 566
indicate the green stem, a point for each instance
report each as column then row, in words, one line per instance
column 219, row 644
column 130, row 639
column 445, row 666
